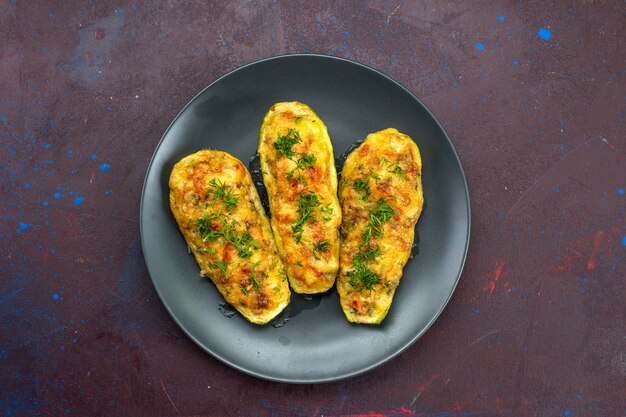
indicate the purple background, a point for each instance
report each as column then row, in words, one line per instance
column 532, row 95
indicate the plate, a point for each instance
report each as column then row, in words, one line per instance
column 312, row 341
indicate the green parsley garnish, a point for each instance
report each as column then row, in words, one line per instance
column 298, row 119
column 307, row 202
column 284, row 143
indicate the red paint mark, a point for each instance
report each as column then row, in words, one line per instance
column 495, row 354
column 499, row 405
column 424, row 385
column 583, row 253
column 98, row 34
column 402, row 411
column 496, row 276
column 505, row 286
column 597, row 241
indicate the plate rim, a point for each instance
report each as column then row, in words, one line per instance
column 346, row 375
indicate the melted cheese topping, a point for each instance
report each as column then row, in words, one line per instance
column 301, row 180
column 381, row 198
column 220, row 215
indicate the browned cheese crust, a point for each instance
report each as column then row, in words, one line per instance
column 381, row 199
column 299, row 173
column 220, row 215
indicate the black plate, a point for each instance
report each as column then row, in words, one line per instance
column 317, row 344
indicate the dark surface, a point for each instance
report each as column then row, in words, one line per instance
column 535, row 327
column 311, row 341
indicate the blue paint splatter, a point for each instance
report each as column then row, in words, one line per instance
column 620, row 191
column 624, row 240
column 515, row 62
column 50, row 15
column 74, row 341
column 104, row 167
column 23, row 226
column 27, row 185
column 557, row 190
column 79, row 200
column 456, row 84
column 513, row 289
column 544, row 34
column 53, row 122
column 94, row 156
column 501, row 18
column 62, row 347
column 107, row 192
column 567, row 412
column 4, row 119
column 45, row 204
column 55, row 296
column 480, row 46
column 69, row 153
column 109, row 108
column 57, row 195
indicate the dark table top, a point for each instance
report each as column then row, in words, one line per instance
column 532, row 96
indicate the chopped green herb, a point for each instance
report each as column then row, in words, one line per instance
column 221, row 265
column 383, row 160
column 299, row 263
column 188, row 248
column 244, row 290
column 306, row 160
column 363, row 276
column 327, row 209
column 298, row 119
column 374, row 175
column 284, row 143
column 395, row 168
column 362, row 186
column 379, row 216
column 222, row 193
column 326, row 219
column 253, row 280
column 307, row 202
column 321, row 246
column 243, row 242
column 205, row 250
column 367, row 254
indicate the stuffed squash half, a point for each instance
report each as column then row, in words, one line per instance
column 220, row 215
column 299, row 173
column 381, row 199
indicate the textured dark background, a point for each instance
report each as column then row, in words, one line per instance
column 536, row 326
